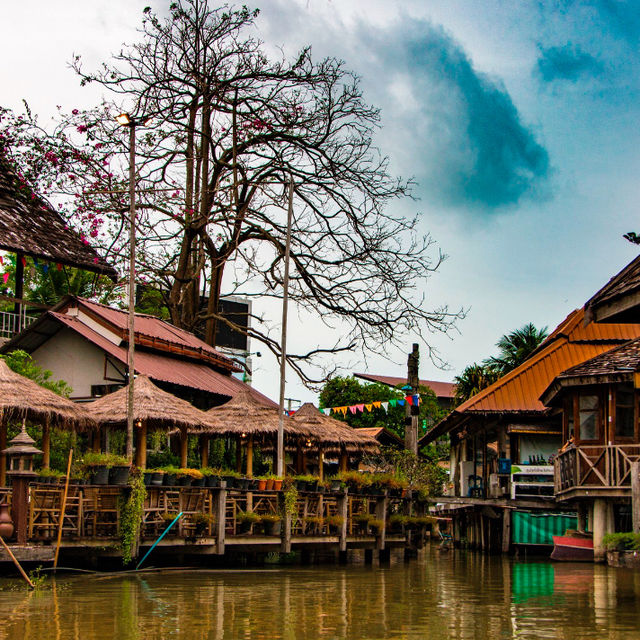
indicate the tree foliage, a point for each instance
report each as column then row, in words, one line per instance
column 347, row 391
column 231, row 128
column 513, row 349
column 21, row 362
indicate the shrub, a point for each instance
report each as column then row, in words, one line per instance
column 622, row 541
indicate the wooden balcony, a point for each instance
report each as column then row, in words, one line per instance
column 11, row 324
column 595, row 471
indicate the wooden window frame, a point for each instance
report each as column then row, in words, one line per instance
column 600, row 416
column 616, row 439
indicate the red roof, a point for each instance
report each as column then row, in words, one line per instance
column 441, row 389
column 158, row 366
column 151, row 331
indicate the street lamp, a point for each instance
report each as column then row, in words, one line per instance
column 125, row 120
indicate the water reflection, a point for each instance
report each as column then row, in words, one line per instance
column 441, row 595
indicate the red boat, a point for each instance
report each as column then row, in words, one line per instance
column 573, row 548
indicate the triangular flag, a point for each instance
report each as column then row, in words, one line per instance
column 409, row 399
column 23, row 260
column 327, row 411
column 393, row 402
column 342, row 410
column 5, row 277
column 1, row 260
column 58, row 266
column 353, row 408
column 360, row 407
column 416, row 400
column 376, row 404
column 385, row 406
column 45, row 268
column 368, row 407
column 401, row 403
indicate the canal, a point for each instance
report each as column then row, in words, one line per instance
column 458, row 594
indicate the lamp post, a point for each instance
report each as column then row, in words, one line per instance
column 125, row 120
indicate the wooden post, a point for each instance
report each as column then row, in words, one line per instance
column 250, row 456
column 342, row 504
column 344, row 461
column 141, row 445
column 63, row 508
column 635, row 495
column 20, row 507
column 506, row 530
column 184, row 448
column 321, row 465
column 285, row 532
column 3, row 458
column 95, row 442
column 239, row 454
column 219, row 497
column 381, row 514
column 299, row 468
column 204, row 451
column 46, row 445
column 412, row 412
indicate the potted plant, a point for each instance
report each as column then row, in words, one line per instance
column 202, row 522
column 49, row 476
column 277, row 482
column 211, row 477
column 272, row 524
column 354, row 480
column 262, row 483
column 335, row 524
column 336, row 484
column 246, row 520
column 170, row 476
column 376, row 525
column 397, row 522
column 97, row 466
column 313, row 525
column 119, row 469
column 232, row 478
column 153, row 477
column 362, row 520
column 169, row 517
column 185, row 476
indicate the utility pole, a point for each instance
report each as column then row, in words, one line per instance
column 412, row 410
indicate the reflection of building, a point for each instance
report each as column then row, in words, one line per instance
column 85, row 344
column 503, row 439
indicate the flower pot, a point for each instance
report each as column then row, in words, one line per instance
column 99, row 474
column 169, row 480
column 311, row 485
column 336, row 486
column 243, row 483
column 119, row 475
column 277, row 485
column 184, row 481
column 262, row 484
column 269, row 486
column 272, row 528
column 147, row 477
column 245, row 527
column 6, row 523
column 197, row 482
column 213, row 481
column 252, row 484
column 157, row 479
column 231, row 481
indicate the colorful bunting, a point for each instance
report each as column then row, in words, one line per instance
column 326, row 411
column 5, row 277
column 393, row 402
column 385, row 406
column 413, row 400
column 368, row 407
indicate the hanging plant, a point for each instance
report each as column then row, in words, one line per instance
column 131, row 515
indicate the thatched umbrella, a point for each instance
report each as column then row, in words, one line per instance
column 333, row 435
column 245, row 416
column 153, row 409
column 21, row 398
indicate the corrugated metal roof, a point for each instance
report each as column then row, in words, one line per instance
column 573, row 343
column 441, row 389
column 166, row 368
column 153, row 328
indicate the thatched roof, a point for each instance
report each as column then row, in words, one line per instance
column 21, row 398
column 332, row 433
column 159, row 409
column 244, row 413
column 30, row 225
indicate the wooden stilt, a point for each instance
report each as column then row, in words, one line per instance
column 635, row 496
column 3, row 459
column 184, row 447
column 344, row 461
column 239, row 454
column 141, row 446
column 321, row 465
column 250, row 456
column 204, row 451
column 95, row 442
column 46, row 445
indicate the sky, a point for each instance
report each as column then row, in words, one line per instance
column 517, row 120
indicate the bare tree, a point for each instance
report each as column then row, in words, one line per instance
column 229, row 129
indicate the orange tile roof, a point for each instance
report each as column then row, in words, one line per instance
column 570, row 344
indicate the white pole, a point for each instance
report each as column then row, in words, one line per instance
column 283, row 355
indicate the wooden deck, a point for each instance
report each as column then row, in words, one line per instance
column 211, row 521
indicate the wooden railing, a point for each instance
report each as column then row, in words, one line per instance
column 11, row 324
column 595, row 467
column 94, row 513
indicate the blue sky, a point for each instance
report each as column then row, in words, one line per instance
column 518, row 120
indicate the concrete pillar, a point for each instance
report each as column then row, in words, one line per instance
column 600, row 527
column 635, row 496
column 582, row 517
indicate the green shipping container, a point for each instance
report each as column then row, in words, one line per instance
column 539, row 528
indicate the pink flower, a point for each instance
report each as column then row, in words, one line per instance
column 81, row 128
column 75, row 112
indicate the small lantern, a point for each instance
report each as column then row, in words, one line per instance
column 20, row 454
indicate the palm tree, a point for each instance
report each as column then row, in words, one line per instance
column 474, row 378
column 515, row 348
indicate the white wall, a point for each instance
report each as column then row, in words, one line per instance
column 76, row 361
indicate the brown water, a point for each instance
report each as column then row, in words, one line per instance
column 439, row 595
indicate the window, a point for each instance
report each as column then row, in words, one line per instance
column 625, row 397
column 588, row 417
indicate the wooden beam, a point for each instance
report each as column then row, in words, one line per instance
column 635, row 496
column 250, row 456
column 184, row 447
column 204, row 451
column 46, row 445
column 141, row 445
